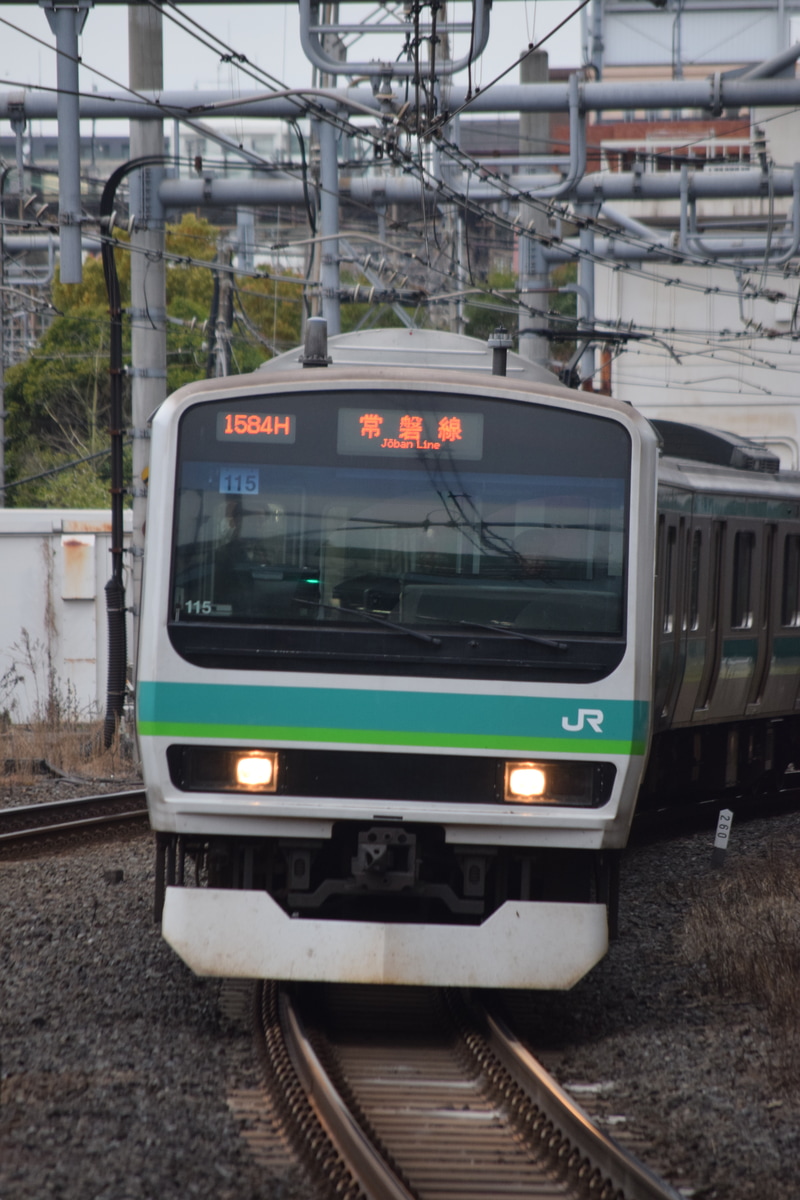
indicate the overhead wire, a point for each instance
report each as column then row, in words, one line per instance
column 450, row 148
column 243, row 64
column 359, row 132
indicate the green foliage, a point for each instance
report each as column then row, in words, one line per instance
column 270, row 311
column 383, row 316
column 563, row 304
column 484, row 314
column 57, row 401
column 84, row 485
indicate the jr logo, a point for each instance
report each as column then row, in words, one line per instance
column 593, row 717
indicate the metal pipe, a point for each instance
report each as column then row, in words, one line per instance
column 44, row 276
column 315, row 52
column 774, row 251
column 637, row 228
column 225, row 193
column 712, row 95
column 19, row 243
column 329, row 225
column 577, row 149
column 751, row 250
column 772, row 66
column 66, row 24
column 599, row 187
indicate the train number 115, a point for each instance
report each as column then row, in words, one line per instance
column 238, row 483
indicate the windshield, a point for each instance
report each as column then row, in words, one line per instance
column 459, row 511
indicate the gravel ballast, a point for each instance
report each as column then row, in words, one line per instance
column 117, row 1063
column 659, row 1055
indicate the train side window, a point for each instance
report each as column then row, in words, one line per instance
column 741, row 592
column 765, row 592
column 790, row 594
column 694, row 580
column 716, row 571
column 669, row 582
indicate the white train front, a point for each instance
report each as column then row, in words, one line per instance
column 395, row 666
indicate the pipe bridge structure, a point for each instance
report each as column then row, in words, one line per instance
column 406, row 104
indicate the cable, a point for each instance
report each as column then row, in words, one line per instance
column 358, row 132
column 515, row 227
column 5, row 487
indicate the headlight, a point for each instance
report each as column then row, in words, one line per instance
column 218, row 769
column 525, row 781
column 579, row 785
column 255, row 772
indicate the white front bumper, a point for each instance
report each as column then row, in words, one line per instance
column 245, row 934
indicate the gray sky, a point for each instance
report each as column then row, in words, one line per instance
column 267, row 34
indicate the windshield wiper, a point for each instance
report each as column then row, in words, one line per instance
column 515, row 633
column 368, row 616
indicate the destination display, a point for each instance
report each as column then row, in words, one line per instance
column 391, row 432
column 256, row 427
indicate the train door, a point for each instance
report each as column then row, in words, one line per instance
column 764, row 617
column 695, row 618
column 710, row 595
column 781, row 671
column 736, row 614
column 670, row 644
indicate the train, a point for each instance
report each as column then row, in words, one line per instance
column 421, row 629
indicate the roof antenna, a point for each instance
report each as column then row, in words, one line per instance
column 316, row 346
column 500, row 344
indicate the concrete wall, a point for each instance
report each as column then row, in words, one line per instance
column 54, row 564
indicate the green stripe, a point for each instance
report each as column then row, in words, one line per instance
column 248, row 733
column 386, row 718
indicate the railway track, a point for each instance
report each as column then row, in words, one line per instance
column 394, row 1094
column 32, row 826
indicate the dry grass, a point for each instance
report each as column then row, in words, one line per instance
column 744, row 930
column 59, row 738
column 73, row 750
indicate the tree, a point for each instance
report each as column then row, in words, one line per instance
column 563, row 305
column 500, row 307
column 57, row 401
column 497, row 307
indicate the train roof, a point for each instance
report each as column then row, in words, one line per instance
column 295, row 377
column 714, row 446
column 715, row 461
column 416, row 349
column 417, row 357
column 694, row 476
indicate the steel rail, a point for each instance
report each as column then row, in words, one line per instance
column 363, row 1159
column 626, row 1175
column 575, row 1157
column 29, row 821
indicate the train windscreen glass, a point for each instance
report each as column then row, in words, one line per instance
column 425, row 509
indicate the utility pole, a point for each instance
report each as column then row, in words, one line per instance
column 224, row 316
column 66, row 22
column 326, row 135
column 148, row 273
column 329, row 226
column 534, row 138
column 3, row 175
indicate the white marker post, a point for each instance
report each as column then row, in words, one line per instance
column 724, row 822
